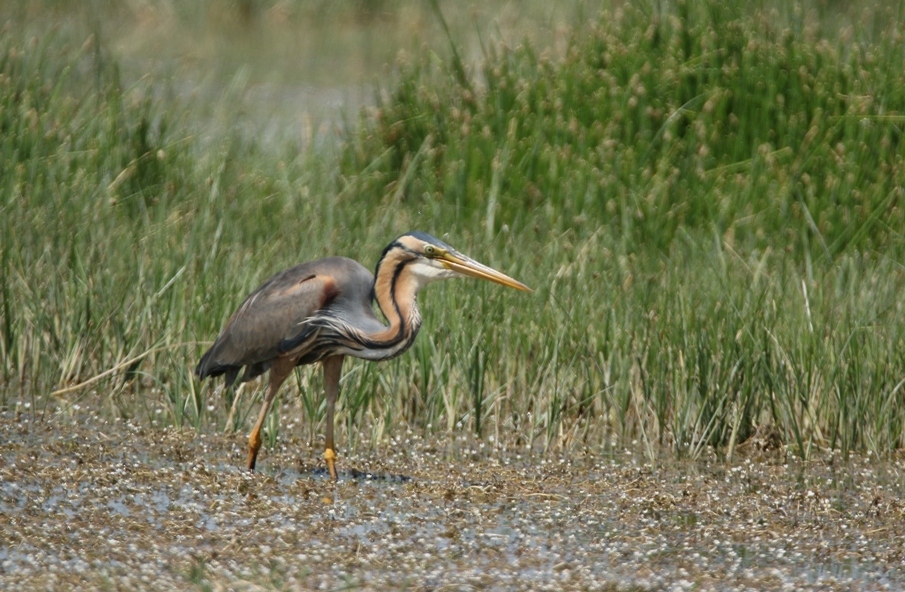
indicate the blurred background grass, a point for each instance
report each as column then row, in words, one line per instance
column 706, row 196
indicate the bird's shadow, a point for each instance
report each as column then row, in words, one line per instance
column 352, row 474
column 369, row 476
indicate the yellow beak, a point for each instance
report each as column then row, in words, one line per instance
column 467, row 266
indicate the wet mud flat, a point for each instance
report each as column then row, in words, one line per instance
column 91, row 504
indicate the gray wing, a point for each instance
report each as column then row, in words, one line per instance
column 274, row 316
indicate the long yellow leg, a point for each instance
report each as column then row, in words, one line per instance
column 332, row 369
column 279, row 371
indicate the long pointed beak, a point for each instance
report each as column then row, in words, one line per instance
column 467, row 266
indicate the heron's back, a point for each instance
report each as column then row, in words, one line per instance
column 276, row 313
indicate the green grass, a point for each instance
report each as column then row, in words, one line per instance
column 708, row 202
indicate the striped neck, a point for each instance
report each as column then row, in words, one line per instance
column 395, row 290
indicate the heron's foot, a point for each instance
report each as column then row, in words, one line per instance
column 330, row 457
column 252, row 458
column 254, row 444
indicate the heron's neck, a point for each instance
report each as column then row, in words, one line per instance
column 396, row 290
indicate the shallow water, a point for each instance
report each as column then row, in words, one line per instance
column 285, row 71
column 131, row 507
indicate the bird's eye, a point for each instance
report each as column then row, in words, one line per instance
column 429, row 250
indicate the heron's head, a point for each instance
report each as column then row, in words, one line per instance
column 429, row 259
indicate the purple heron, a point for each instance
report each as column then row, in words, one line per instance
column 322, row 311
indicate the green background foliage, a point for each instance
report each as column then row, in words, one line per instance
column 707, row 200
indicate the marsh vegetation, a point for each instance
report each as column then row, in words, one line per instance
column 707, row 197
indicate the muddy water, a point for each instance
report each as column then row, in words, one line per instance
column 111, row 505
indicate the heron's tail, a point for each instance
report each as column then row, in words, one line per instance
column 203, row 369
column 209, row 367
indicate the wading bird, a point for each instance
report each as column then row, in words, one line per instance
column 321, row 311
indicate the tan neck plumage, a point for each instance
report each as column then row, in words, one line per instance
column 396, row 289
